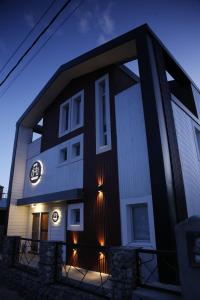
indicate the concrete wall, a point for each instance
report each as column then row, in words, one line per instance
column 133, row 164
column 189, row 155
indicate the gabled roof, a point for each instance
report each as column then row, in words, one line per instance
column 118, row 50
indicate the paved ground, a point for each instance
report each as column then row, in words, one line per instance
column 8, row 294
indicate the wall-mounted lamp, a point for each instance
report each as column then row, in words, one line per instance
column 33, row 205
column 100, row 188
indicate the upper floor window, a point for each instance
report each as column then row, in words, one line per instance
column 197, row 132
column 102, row 102
column 71, row 114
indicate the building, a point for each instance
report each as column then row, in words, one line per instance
column 118, row 158
column 3, row 210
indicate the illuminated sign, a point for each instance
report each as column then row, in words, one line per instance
column 36, row 172
column 55, row 216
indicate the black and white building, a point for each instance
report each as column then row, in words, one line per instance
column 118, row 158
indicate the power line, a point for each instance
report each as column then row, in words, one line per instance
column 27, row 36
column 35, row 41
column 43, row 45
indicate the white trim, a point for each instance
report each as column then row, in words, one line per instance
column 70, row 102
column 70, row 226
column 99, row 147
column 81, row 94
column 61, row 120
column 126, row 226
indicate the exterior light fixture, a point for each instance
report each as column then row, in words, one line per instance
column 33, row 205
column 36, row 172
column 100, row 188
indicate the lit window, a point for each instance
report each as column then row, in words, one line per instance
column 139, row 223
column 75, row 217
column 63, row 155
column 103, row 134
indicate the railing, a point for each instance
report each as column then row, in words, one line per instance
column 157, row 269
column 28, row 255
column 85, row 267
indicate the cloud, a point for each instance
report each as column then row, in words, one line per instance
column 99, row 18
column 106, row 21
column 85, row 22
column 29, row 19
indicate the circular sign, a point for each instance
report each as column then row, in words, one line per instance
column 35, row 172
column 55, row 216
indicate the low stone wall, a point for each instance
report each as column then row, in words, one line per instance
column 42, row 282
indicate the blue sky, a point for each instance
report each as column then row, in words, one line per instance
column 176, row 22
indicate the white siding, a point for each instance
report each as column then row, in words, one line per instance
column 133, row 164
column 189, row 159
column 34, row 148
column 56, row 177
column 18, row 216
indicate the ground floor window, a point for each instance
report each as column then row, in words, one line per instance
column 139, row 222
column 75, row 217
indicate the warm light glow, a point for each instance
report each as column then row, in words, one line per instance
column 59, row 213
column 42, row 169
column 101, row 242
column 74, row 251
column 75, row 238
column 102, row 255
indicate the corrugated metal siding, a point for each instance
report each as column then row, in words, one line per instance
column 189, row 159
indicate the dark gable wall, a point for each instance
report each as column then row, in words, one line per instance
column 101, row 211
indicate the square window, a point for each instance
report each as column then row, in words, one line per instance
column 63, row 155
column 76, row 150
column 75, row 217
column 139, row 223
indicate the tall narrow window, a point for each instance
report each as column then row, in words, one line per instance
column 64, row 125
column 197, row 131
column 103, row 134
column 77, row 110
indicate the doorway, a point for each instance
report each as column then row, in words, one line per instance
column 40, row 226
column 44, row 226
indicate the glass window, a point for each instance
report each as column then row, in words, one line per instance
column 76, row 150
column 76, row 118
column 198, row 141
column 140, row 223
column 103, row 134
column 75, row 216
column 63, row 155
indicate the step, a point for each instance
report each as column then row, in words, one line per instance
column 152, row 294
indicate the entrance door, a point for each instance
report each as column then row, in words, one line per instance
column 35, row 231
column 44, row 226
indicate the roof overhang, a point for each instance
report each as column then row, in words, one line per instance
column 74, row 194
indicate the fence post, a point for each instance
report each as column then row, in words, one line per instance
column 122, row 266
column 50, row 265
column 10, row 251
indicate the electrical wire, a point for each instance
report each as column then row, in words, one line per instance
column 27, row 36
column 35, row 41
column 43, row 45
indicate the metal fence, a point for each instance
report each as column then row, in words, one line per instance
column 86, row 267
column 28, row 255
column 157, row 269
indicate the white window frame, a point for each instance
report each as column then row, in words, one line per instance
column 81, row 95
column 130, row 216
column 75, row 227
column 77, row 139
column 102, row 148
column 61, row 118
column 71, row 126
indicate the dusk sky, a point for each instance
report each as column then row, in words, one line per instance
column 176, row 22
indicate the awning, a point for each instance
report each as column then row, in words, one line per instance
column 53, row 197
